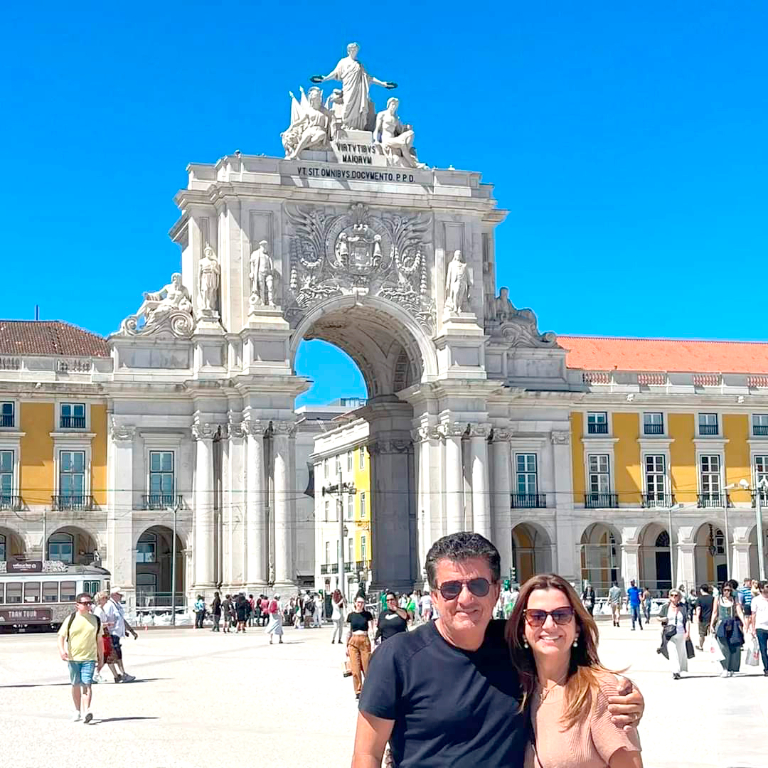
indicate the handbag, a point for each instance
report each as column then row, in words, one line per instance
column 345, row 670
column 689, row 652
column 753, row 653
column 712, row 649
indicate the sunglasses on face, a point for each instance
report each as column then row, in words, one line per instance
column 450, row 590
column 86, row 602
column 537, row 618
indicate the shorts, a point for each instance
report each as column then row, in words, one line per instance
column 81, row 672
column 747, row 609
column 116, row 647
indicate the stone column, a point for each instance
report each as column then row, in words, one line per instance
column 685, row 572
column 454, row 477
column 481, row 508
column 256, row 538
column 501, row 489
column 740, row 569
column 283, row 521
column 203, row 513
column 630, row 566
column 567, row 557
column 427, row 444
column 119, row 559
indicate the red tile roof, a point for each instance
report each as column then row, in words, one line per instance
column 599, row 353
column 49, row 337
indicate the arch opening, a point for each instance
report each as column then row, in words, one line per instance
column 153, row 564
column 531, row 551
column 11, row 545
column 600, row 546
column 71, row 545
column 655, row 559
column 710, row 558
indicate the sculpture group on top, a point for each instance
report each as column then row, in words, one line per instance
column 316, row 126
column 518, row 327
column 168, row 311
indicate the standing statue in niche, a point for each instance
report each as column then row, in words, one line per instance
column 208, row 277
column 358, row 108
column 395, row 138
column 310, row 126
column 262, row 277
column 458, row 281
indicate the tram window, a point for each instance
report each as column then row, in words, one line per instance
column 32, row 592
column 91, row 587
column 68, row 591
column 2, row 593
column 13, row 592
column 50, row 591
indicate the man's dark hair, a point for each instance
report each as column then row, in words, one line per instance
column 705, row 588
column 459, row 547
column 82, row 595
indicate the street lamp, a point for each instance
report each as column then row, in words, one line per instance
column 338, row 490
column 671, row 545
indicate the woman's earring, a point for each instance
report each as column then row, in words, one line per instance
column 525, row 643
column 576, row 642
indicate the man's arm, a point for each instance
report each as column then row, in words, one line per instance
column 130, row 629
column 371, row 739
column 627, row 706
column 62, row 649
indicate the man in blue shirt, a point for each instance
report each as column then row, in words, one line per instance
column 633, row 593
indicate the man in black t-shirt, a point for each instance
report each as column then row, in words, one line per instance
column 392, row 620
column 447, row 693
column 703, row 608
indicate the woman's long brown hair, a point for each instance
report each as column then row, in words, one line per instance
column 582, row 683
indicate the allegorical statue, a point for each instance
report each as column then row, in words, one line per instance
column 358, row 108
column 208, row 277
column 262, row 277
column 173, row 297
column 506, row 311
column 395, row 138
column 310, row 126
column 457, row 284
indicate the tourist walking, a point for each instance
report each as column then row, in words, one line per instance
column 588, row 597
column 565, row 687
column 242, row 610
column 392, row 620
column 727, row 626
column 109, row 656
column 633, row 595
column 646, row 600
column 118, row 628
column 337, row 615
column 199, row 612
column 79, row 646
column 317, row 617
column 448, row 693
column 226, row 612
column 745, row 597
column 359, row 643
column 704, row 604
column 216, row 612
column 426, row 607
column 759, row 622
column 275, row 627
column 614, row 599
column 674, row 633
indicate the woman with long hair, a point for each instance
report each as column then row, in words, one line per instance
column 728, row 628
column 565, row 687
column 100, row 599
column 337, row 615
column 242, row 609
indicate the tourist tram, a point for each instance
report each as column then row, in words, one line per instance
column 38, row 596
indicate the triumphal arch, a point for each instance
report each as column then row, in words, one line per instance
column 353, row 238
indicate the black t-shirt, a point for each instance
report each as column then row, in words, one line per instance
column 450, row 707
column 390, row 624
column 359, row 621
column 705, row 602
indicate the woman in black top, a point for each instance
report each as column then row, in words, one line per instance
column 216, row 611
column 392, row 621
column 358, row 643
column 242, row 609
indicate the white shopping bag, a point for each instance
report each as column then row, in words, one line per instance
column 712, row 649
column 753, row 653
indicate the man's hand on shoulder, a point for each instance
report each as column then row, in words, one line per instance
column 627, row 706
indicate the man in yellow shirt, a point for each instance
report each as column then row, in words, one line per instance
column 79, row 646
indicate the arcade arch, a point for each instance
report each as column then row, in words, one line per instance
column 71, row 545
column 11, row 545
column 710, row 561
column 754, row 569
column 153, row 562
column 654, row 559
column 531, row 551
column 600, row 547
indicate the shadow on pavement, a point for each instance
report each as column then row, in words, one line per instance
column 120, row 719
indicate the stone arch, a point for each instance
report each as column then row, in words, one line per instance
column 709, row 552
column 654, row 558
column 754, row 568
column 80, row 549
column 12, row 544
column 531, row 550
column 600, row 547
column 153, row 556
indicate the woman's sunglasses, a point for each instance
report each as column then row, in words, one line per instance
column 450, row 590
column 560, row 616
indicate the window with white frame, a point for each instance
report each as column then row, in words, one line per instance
column 655, row 479
column 363, row 549
column 761, row 476
column 708, row 424
column 72, row 416
column 350, row 550
column 361, row 458
column 161, row 479
column 327, row 552
column 526, row 474
column 146, row 548
column 349, row 461
column 327, row 510
column 709, row 467
column 338, row 464
column 350, row 506
column 653, row 423
column 7, row 415
column 3, row 551
column 61, row 546
column 6, row 478
column 599, row 473
column 597, row 423
column 362, row 504
column 760, row 424
column 327, row 468
column 72, row 476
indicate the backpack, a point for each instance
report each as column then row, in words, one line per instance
column 309, row 607
column 72, row 618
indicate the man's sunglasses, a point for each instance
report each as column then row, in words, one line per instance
column 86, row 602
column 536, row 618
column 450, row 590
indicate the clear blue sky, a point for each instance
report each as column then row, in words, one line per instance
column 628, row 142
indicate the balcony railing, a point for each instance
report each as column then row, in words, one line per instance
column 601, row 500
column 10, row 502
column 707, row 500
column 653, row 429
column 760, row 430
column 529, row 500
column 597, row 429
column 162, row 501
column 707, row 430
column 652, row 500
column 763, row 498
column 323, row 569
column 72, row 422
column 72, row 501
column 6, row 420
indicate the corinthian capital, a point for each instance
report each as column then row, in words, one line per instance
column 122, row 432
column 236, row 429
column 203, row 430
column 479, row 430
column 284, row 428
column 254, row 427
column 501, row 435
column 560, row 438
column 424, row 433
column 453, row 428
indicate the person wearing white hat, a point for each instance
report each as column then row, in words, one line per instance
column 118, row 626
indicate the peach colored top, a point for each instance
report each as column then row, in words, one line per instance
column 589, row 743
